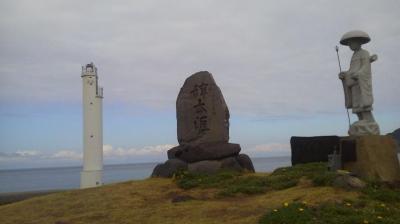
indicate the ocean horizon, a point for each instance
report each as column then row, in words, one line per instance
column 64, row 178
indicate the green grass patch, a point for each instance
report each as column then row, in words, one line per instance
column 381, row 192
column 316, row 172
column 187, row 180
column 378, row 203
column 343, row 213
column 292, row 213
column 231, row 183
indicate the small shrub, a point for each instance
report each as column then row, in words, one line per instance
column 323, row 179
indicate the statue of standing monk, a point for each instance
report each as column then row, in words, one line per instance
column 357, row 84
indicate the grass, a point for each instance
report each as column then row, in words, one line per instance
column 150, row 201
column 230, row 183
column 223, row 198
column 348, row 212
column 381, row 192
column 378, row 202
column 365, row 209
column 316, row 172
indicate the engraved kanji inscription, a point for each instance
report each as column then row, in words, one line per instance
column 200, row 90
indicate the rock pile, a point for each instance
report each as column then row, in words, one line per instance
column 203, row 132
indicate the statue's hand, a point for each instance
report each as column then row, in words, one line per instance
column 373, row 58
column 341, row 75
column 354, row 75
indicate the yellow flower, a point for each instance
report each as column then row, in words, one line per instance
column 301, row 209
column 275, row 210
column 366, row 222
column 379, row 217
column 286, row 204
column 383, row 205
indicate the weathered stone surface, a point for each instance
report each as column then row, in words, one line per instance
column 171, row 152
column 376, row 159
column 203, row 131
column 396, row 136
column 168, row 168
column 158, row 170
column 230, row 163
column 245, row 162
column 201, row 111
column 215, row 166
column 348, row 182
column 364, row 127
column 206, row 151
column 313, row 149
column 205, row 167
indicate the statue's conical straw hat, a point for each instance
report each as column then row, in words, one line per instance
column 355, row 34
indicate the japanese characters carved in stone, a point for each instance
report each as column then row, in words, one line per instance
column 201, row 111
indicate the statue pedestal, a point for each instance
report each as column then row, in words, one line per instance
column 363, row 127
column 376, row 158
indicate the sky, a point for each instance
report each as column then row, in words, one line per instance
column 273, row 60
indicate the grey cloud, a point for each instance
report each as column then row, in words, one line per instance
column 269, row 58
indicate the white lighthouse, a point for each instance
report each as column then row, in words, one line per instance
column 91, row 175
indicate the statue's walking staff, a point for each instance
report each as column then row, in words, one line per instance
column 344, row 87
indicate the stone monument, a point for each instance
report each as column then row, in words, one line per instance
column 203, row 132
column 357, row 84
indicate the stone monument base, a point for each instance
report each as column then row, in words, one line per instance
column 376, row 158
column 206, row 158
column 363, row 127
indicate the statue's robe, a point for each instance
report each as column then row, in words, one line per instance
column 357, row 83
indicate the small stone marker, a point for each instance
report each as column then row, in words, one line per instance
column 203, row 132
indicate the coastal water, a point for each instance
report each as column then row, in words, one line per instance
column 69, row 177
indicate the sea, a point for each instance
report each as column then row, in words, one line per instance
column 63, row 178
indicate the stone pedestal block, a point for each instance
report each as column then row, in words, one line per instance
column 205, row 151
column 245, row 162
column 363, row 127
column 376, row 159
column 168, row 168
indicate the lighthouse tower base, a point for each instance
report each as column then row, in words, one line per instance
column 91, row 178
